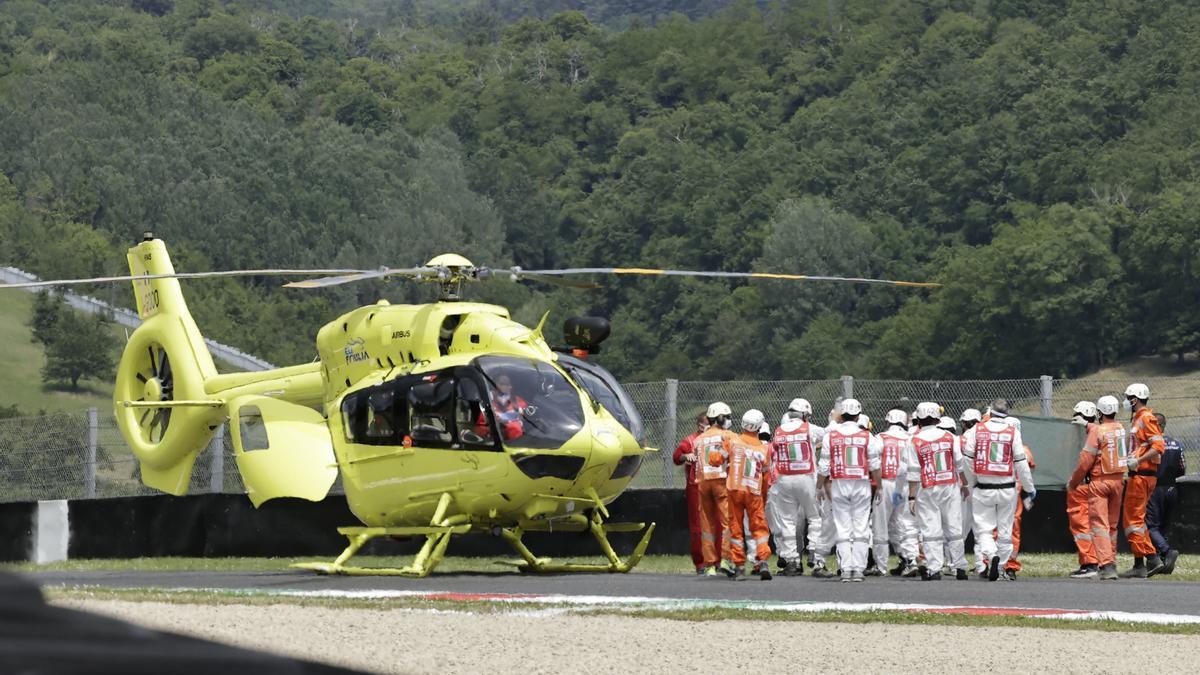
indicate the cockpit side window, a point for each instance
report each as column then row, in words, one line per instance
column 604, row 389
column 432, row 410
column 373, row 416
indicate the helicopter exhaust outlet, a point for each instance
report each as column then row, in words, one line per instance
column 585, row 333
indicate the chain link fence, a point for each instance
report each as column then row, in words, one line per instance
column 670, row 408
column 82, row 455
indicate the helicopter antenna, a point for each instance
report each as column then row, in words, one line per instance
column 537, row 332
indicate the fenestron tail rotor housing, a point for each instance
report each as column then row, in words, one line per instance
column 160, row 403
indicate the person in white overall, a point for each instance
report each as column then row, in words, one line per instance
column 849, row 460
column 936, row 489
column 969, row 418
column 993, row 458
column 792, row 499
column 890, row 521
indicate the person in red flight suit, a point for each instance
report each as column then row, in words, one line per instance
column 685, row 455
column 507, row 407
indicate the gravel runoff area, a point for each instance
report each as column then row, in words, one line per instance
column 418, row 641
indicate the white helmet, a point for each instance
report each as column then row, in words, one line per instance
column 946, row 423
column 753, row 420
column 1107, row 405
column 864, row 422
column 970, row 415
column 717, row 409
column 895, row 416
column 1086, row 409
column 1139, row 390
column 801, row 406
column 851, row 406
column 927, row 411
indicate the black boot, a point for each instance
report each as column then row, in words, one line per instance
column 1154, row 565
column 1169, row 561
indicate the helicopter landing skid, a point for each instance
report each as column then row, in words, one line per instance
column 437, row 535
column 598, row 529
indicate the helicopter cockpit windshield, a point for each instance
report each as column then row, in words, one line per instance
column 533, row 404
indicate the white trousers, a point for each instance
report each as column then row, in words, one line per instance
column 994, row 510
column 822, row 540
column 939, row 517
column 852, row 523
column 968, row 525
column 791, row 511
column 892, row 524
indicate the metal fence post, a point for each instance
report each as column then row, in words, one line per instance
column 1047, row 394
column 216, row 464
column 89, row 462
column 847, row 386
column 672, row 428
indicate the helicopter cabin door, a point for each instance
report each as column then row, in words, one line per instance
column 282, row 449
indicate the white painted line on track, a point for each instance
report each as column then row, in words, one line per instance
column 669, row 604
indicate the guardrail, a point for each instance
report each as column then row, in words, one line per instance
column 124, row 317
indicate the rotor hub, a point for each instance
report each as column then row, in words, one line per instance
column 153, row 390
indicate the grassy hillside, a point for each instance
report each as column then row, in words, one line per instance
column 1172, row 383
column 20, row 370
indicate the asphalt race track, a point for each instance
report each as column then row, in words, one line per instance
column 1154, row 595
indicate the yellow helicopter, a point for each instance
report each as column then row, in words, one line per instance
column 442, row 419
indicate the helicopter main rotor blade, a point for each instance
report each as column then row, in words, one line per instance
column 362, row 275
column 718, row 275
column 181, row 275
column 556, row 281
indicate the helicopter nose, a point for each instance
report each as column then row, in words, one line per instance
column 606, row 452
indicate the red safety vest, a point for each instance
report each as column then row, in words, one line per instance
column 792, row 452
column 937, row 460
column 848, row 455
column 890, row 460
column 993, row 451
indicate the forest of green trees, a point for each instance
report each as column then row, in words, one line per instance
column 1038, row 158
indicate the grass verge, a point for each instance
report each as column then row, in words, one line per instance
column 1034, row 565
column 651, row 564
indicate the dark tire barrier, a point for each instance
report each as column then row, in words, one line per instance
column 220, row 525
